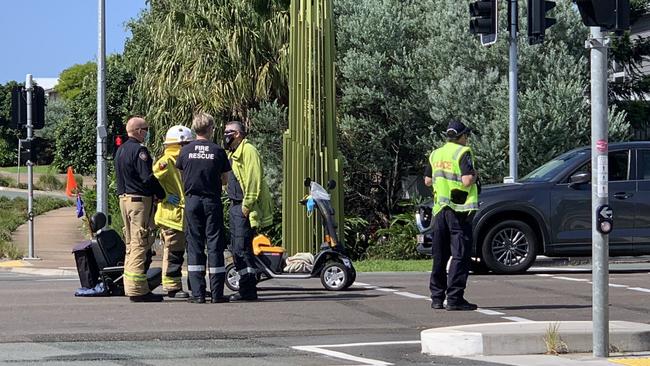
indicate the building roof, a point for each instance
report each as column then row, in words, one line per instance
column 46, row 83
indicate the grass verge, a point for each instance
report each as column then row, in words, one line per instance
column 386, row 265
column 38, row 169
column 14, row 214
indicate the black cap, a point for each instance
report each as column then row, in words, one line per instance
column 456, row 128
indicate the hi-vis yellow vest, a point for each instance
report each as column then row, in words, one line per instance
column 446, row 173
column 170, row 179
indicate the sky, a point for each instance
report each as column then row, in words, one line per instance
column 61, row 33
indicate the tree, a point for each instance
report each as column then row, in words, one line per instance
column 8, row 137
column 222, row 57
column 76, row 133
column 407, row 67
column 71, row 80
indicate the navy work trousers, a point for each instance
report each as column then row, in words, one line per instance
column 452, row 237
column 204, row 225
column 241, row 242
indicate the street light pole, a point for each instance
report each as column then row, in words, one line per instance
column 102, row 194
column 512, row 81
column 599, row 191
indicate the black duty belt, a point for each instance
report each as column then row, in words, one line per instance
column 235, row 202
column 135, row 198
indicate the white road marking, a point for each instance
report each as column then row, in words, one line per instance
column 558, row 269
column 357, row 283
column 489, row 312
column 411, row 295
column 344, row 356
column 615, row 285
column 544, row 275
column 58, row 279
column 516, row 319
column 640, row 289
column 571, row 279
column 385, row 289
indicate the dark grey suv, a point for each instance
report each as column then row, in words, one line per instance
column 549, row 211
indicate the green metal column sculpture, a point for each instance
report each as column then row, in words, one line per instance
column 309, row 145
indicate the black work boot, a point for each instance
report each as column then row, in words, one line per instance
column 178, row 294
column 196, row 300
column 437, row 304
column 461, row 305
column 239, row 297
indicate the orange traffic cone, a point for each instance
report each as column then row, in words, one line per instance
column 71, row 186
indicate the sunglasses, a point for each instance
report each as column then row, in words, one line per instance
column 230, row 132
column 144, row 128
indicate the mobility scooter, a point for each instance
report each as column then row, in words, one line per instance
column 331, row 263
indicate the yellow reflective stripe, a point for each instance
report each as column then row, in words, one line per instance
column 447, row 175
column 171, row 280
column 138, row 277
column 458, row 151
column 468, row 206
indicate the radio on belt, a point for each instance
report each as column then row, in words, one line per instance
column 604, row 221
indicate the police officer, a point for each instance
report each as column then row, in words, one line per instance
column 137, row 188
column 251, row 207
column 169, row 214
column 204, row 167
column 456, row 199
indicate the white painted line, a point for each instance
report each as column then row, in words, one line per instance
column 343, row 356
column 544, row 275
column 489, row 312
column 571, row 279
column 370, row 287
column 385, row 289
column 364, row 344
column 411, row 295
column 58, row 279
column 558, row 269
column 357, row 283
column 516, row 319
column 615, row 285
column 640, row 289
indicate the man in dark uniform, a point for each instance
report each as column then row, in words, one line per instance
column 137, row 188
column 251, row 206
column 204, row 167
column 456, row 199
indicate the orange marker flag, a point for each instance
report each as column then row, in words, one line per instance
column 71, row 186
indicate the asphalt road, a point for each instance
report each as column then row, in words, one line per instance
column 376, row 322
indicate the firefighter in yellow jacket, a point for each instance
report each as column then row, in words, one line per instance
column 169, row 215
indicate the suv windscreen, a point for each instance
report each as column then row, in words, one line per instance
column 550, row 170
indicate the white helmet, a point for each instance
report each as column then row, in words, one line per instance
column 178, row 134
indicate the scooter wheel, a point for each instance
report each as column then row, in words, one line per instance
column 232, row 278
column 334, row 276
column 352, row 276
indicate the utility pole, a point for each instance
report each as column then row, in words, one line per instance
column 102, row 194
column 512, row 90
column 29, row 87
column 599, row 192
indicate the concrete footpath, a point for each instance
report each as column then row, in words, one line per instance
column 527, row 343
column 55, row 234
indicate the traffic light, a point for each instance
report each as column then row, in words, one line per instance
column 113, row 142
column 484, row 20
column 612, row 15
column 19, row 108
column 538, row 22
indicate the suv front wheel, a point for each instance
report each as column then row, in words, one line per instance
column 509, row 247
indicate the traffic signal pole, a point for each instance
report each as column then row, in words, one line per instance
column 512, row 80
column 102, row 193
column 29, row 87
column 599, row 192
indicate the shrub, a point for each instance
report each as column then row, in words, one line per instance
column 50, row 182
column 6, row 181
column 398, row 241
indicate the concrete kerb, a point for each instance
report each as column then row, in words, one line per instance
column 523, row 338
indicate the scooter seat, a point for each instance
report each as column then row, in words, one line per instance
column 262, row 244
